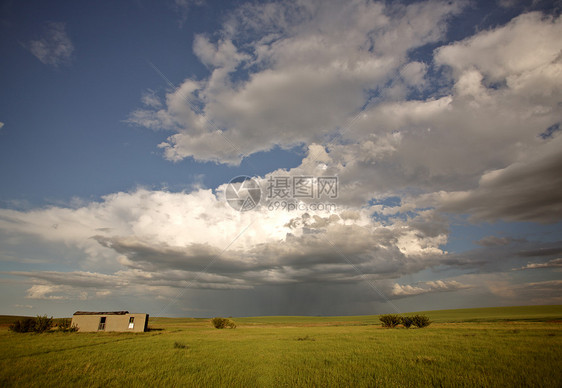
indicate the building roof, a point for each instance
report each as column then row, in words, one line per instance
column 101, row 313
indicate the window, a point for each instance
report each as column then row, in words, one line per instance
column 101, row 326
column 131, row 322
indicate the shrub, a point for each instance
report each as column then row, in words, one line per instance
column 43, row 324
column 40, row 324
column 219, row 323
column 407, row 322
column 25, row 325
column 222, row 323
column 65, row 326
column 180, row 345
column 420, row 321
column 306, row 338
column 390, row 320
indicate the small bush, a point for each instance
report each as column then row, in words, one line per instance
column 407, row 322
column 43, row 323
column 306, row 338
column 65, row 325
column 219, row 323
column 390, row 320
column 25, row 325
column 420, row 321
column 179, row 345
column 40, row 324
column 223, row 323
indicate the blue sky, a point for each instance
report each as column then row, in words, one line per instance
column 122, row 124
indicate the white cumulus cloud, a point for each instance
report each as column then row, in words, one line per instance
column 306, row 74
column 427, row 287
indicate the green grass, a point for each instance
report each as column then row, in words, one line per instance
column 491, row 314
column 497, row 314
column 514, row 347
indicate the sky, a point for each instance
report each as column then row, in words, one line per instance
column 199, row 158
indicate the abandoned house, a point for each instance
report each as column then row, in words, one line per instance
column 110, row 321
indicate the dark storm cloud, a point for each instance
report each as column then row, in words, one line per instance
column 530, row 191
column 501, row 257
column 308, row 258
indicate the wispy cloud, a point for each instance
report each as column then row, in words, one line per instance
column 555, row 263
column 492, row 241
column 45, row 291
column 150, row 99
column 23, row 306
column 427, row 287
column 545, row 292
column 182, row 7
column 55, row 47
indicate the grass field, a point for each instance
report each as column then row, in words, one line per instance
column 514, row 346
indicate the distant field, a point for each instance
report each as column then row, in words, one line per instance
column 491, row 314
column 513, row 346
column 497, row 314
column 5, row 320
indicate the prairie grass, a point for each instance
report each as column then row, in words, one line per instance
column 297, row 351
